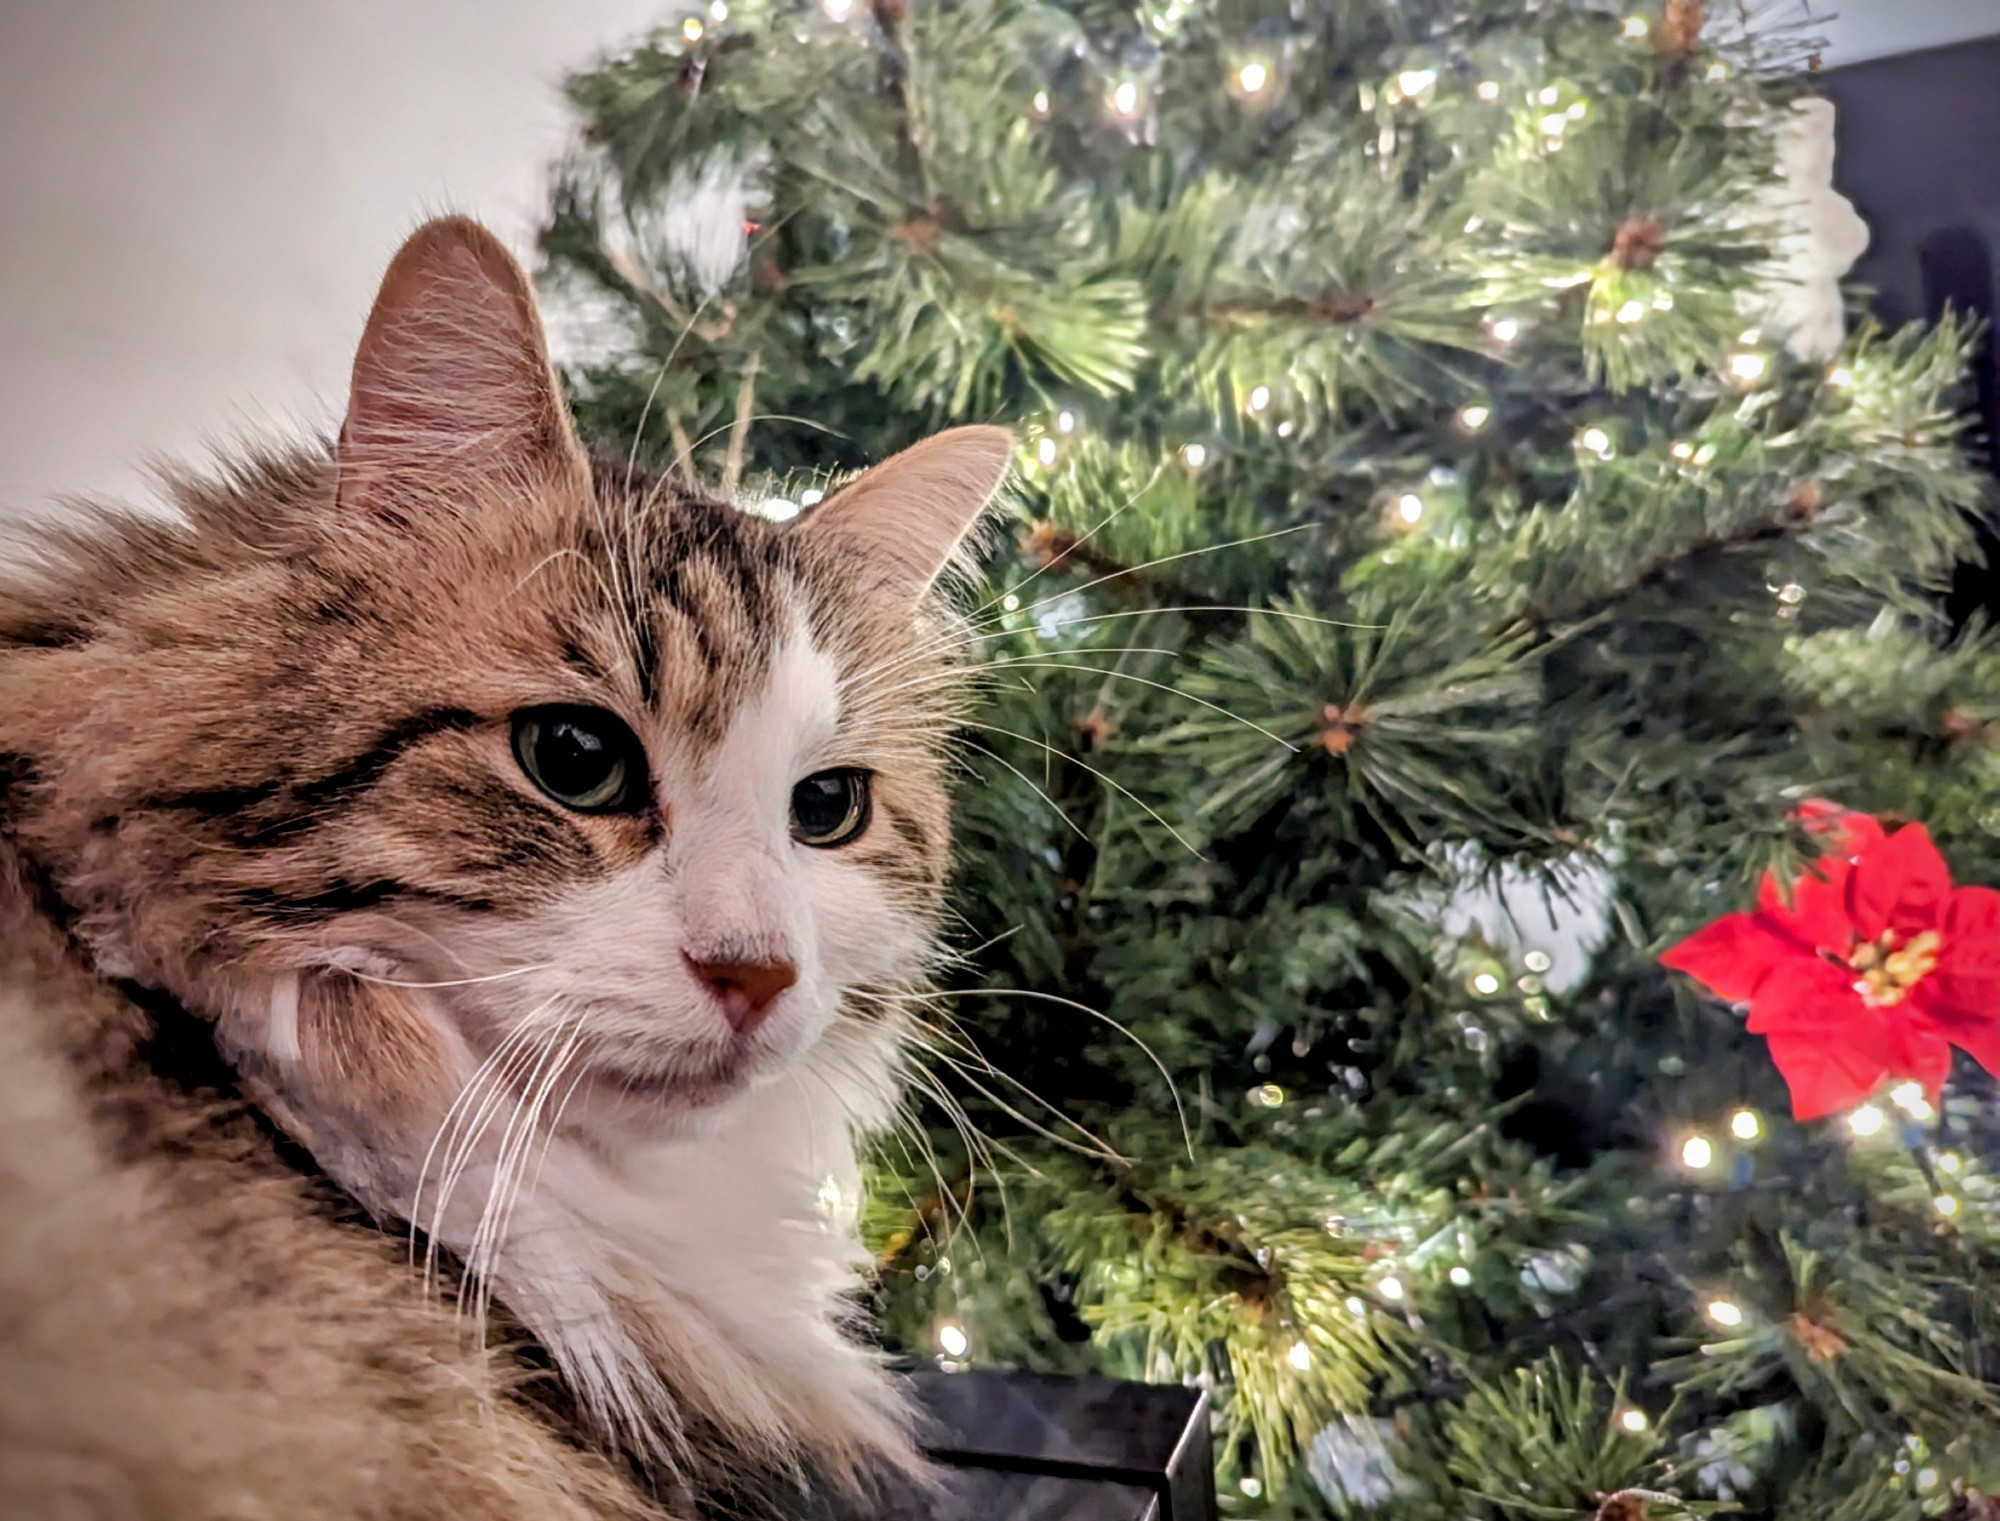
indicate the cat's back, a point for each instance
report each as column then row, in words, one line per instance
column 187, row 1332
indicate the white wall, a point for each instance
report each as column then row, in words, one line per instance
column 197, row 196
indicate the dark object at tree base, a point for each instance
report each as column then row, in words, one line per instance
column 1033, row 1447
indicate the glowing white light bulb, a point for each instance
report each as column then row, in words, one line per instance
column 1946, row 1205
column 1040, row 104
column 1252, row 78
column 1357, row 1306
column 812, row 496
column 1251, row 1485
column 1554, row 124
column 1045, row 451
column 1409, row 507
column 1792, row 594
column 1415, row 81
column 1663, row 301
column 1840, row 377
column 1461, row 1276
column 837, row 10
column 1010, row 603
column 1948, row 1161
column 1597, row 441
column 1748, row 367
column 719, row 11
column 1867, row 1120
column 1125, row 99
column 1260, row 398
column 1908, row 1097
column 1488, row 91
column 1578, row 109
column 1505, row 329
column 1267, row 1096
column 1286, row 428
column 692, row 29
column 1391, row 1288
column 1300, row 1356
column 1718, row 70
column 952, row 1340
column 779, row 510
column 1065, row 421
column 1548, row 95
column 1633, row 1420
column 1631, row 312
column 1745, row 1125
column 1486, row 984
column 1724, row 1313
column 1682, row 450
column 1474, row 417
column 1537, row 961
column 1696, row 1152
column 1194, row 456
column 1635, row 27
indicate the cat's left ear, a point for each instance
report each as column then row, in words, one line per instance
column 452, row 387
column 898, row 525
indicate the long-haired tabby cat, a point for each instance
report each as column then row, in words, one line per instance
column 444, row 841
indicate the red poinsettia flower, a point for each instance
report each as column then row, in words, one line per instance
column 1875, row 969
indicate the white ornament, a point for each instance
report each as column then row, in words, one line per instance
column 1820, row 236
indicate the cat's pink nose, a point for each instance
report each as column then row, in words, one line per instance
column 744, row 990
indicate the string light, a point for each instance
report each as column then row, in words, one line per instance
column 1252, row 77
column 1633, row 1420
column 1578, row 109
column 812, row 496
column 1486, row 984
column 1866, row 1121
column 1548, row 95
column 1840, row 377
column 1040, row 104
column 1634, row 28
column 1745, row 1125
column 1260, row 398
column 1410, row 508
column 1065, row 421
column 692, row 29
column 837, row 10
column 1682, row 450
column 1045, row 451
column 1474, row 417
column 1488, row 91
column 1946, row 1204
column 952, row 1340
column 1718, row 70
column 1461, row 1276
column 1413, row 82
column 1125, row 99
column 1010, row 603
column 1663, row 301
column 1725, row 1313
column 1300, row 1356
column 719, row 11
column 1285, row 428
column 1631, row 312
column 1748, row 368
column 1504, row 329
column 1390, row 1288
column 1554, row 124
column 1357, row 1307
column 1908, row 1097
column 1267, row 1095
column 1194, row 455
column 1597, row 441
column 1537, row 961
column 1251, row 1485
column 1696, row 1152
column 1704, row 456
column 1947, row 1161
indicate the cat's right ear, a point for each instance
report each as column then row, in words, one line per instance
column 452, row 388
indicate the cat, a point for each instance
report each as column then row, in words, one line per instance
column 445, row 847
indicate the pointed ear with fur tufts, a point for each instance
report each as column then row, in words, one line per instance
column 900, row 523
column 452, row 387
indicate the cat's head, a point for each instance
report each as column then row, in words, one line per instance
column 457, row 753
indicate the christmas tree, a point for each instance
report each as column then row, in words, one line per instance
column 1465, row 546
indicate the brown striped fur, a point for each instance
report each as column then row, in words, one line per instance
column 262, row 833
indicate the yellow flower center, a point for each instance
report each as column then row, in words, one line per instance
column 1889, row 968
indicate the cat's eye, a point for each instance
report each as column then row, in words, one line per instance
column 830, row 807
column 584, row 758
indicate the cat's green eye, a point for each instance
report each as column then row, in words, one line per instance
column 584, row 758
column 830, row 807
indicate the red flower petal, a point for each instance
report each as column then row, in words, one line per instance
column 1731, row 956
column 1824, row 1076
column 1966, row 984
column 1900, row 884
column 1841, row 832
column 1817, row 912
column 1805, row 995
